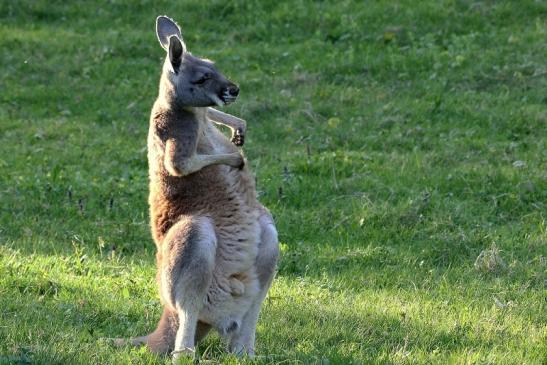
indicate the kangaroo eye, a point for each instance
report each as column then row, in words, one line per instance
column 202, row 79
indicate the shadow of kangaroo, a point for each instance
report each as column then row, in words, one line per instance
column 217, row 246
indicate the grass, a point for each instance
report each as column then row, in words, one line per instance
column 400, row 146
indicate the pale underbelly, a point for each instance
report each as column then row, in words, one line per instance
column 229, row 299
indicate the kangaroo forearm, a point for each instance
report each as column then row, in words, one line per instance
column 172, row 168
column 187, row 166
column 230, row 159
column 237, row 125
column 227, row 119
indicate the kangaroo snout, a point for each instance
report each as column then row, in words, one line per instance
column 233, row 91
column 230, row 93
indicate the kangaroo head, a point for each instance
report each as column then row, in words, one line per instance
column 196, row 81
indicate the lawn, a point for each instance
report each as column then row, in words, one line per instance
column 400, row 146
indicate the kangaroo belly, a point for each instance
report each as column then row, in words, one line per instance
column 227, row 302
column 235, row 283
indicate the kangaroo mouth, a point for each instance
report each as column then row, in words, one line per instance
column 227, row 98
column 222, row 99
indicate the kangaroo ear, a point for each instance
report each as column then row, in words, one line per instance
column 176, row 51
column 165, row 28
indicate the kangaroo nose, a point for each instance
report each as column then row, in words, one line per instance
column 233, row 90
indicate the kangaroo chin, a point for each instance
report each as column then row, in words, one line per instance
column 217, row 246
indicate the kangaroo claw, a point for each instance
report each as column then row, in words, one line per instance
column 238, row 138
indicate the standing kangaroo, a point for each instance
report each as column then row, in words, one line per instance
column 217, row 246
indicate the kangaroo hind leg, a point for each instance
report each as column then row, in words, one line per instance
column 242, row 342
column 189, row 256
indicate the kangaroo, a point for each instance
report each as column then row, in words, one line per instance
column 217, row 246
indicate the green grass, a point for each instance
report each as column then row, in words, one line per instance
column 393, row 141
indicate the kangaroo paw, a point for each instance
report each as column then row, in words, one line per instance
column 237, row 287
column 238, row 138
